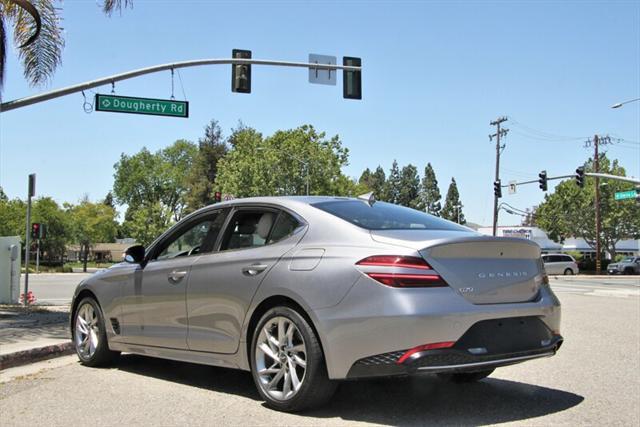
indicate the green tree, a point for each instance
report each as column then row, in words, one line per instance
column 38, row 36
column 146, row 179
column 374, row 181
column 392, row 187
column 57, row 226
column 409, row 187
column 202, row 176
column 146, row 224
column 44, row 210
column 570, row 211
column 429, row 192
column 452, row 204
column 92, row 223
column 281, row 163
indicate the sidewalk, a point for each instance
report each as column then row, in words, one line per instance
column 35, row 334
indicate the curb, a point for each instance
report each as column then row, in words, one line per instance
column 35, row 355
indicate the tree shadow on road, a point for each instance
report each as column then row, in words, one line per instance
column 423, row 399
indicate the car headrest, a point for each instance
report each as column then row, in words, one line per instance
column 247, row 227
column 264, row 225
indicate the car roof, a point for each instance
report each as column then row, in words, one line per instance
column 286, row 201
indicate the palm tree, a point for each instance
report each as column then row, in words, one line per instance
column 38, row 35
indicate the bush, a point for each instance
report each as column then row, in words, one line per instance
column 576, row 255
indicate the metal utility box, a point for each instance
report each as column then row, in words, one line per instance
column 10, row 251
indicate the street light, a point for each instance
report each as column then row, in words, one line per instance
column 304, row 163
column 620, row 104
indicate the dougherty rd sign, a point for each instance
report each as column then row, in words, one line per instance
column 154, row 107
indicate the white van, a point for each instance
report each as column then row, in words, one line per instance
column 560, row 264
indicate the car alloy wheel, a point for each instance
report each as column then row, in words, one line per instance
column 87, row 336
column 280, row 358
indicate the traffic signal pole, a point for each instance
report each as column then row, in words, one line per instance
column 27, row 245
column 57, row 93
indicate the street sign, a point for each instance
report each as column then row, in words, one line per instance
column 148, row 106
column 622, row 195
column 513, row 185
column 323, row 77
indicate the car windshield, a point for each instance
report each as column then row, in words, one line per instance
column 628, row 259
column 385, row 216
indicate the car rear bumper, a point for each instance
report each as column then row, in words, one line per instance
column 486, row 345
column 380, row 323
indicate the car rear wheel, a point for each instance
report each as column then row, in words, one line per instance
column 568, row 272
column 90, row 336
column 287, row 362
column 466, row 377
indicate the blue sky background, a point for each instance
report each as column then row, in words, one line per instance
column 435, row 75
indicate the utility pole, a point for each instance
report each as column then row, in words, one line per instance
column 597, row 140
column 596, row 160
column 499, row 133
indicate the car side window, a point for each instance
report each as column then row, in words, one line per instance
column 248, row 229
column 198, row 238
column 284, row 226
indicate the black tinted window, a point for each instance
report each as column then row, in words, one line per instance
column 385, row 216
column 285, row 225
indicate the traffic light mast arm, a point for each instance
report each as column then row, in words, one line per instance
column 549, row 178
column 600, row 175
column 616, row 177
column 57, row 93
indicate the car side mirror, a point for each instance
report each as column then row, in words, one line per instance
column 134, row 254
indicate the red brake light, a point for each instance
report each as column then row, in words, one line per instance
column 432, row 346
column 402, row 280
column 395, row 261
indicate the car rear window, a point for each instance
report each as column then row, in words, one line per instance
column 385, row 216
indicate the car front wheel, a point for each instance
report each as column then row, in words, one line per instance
column 287, row 362
column 90, row 336
column 568, row 272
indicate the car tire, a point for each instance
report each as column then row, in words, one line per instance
column 628, row 271
column 281, row 355
column 466, row 377
column 568, row 272
column 90, row 335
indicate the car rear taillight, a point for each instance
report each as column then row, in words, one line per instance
column 425, row 347
column 395, row 261
column 429, row 279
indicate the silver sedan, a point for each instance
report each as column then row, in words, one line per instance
column 305, row 291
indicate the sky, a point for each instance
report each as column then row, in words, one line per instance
column 435, row 74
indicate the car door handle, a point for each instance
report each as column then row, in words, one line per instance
column 254, row 269
column 176, row 276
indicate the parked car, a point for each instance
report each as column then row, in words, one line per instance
column 305, row 291
column 560, row 264
column 628, row 265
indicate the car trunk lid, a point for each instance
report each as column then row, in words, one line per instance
column 483, row 269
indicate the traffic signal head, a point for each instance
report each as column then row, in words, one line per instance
column 580, row 177
column 543, row 180
column 497, row 188
column 36, row 230
column 241, row 73
column 352, row 80
column 217, row 197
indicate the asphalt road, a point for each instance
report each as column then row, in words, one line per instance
column 594, row 379
column 57, row 289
